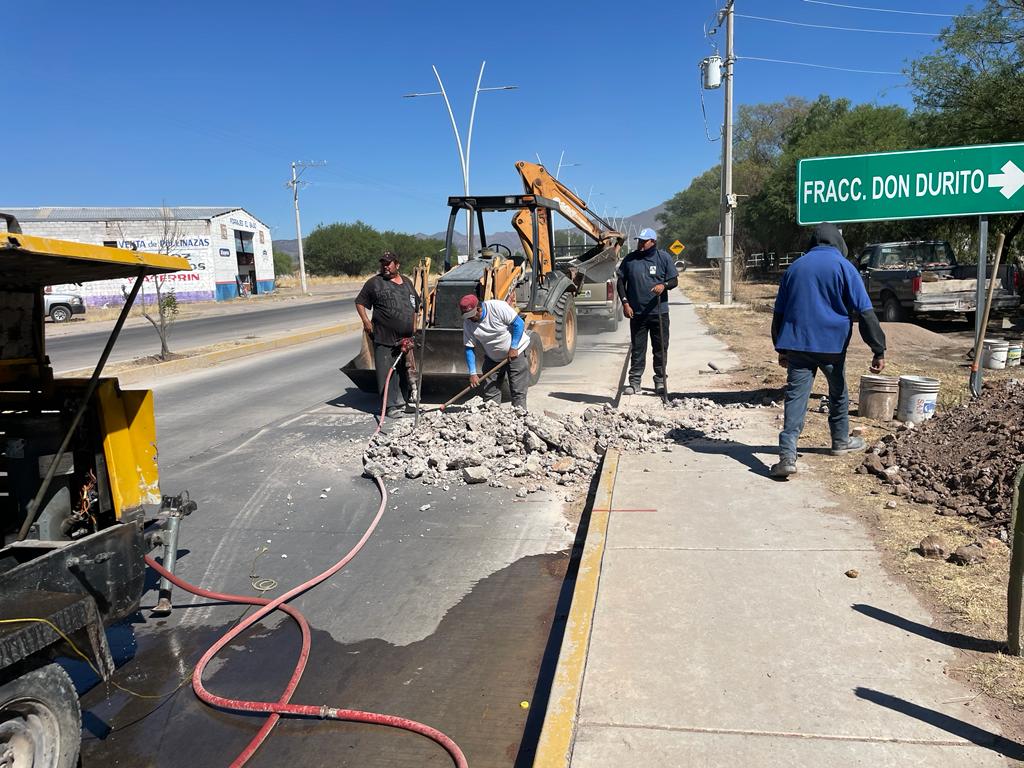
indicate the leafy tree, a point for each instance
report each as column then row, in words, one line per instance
column 283, row 264
column 693, row 214
column 971, row 91
column 354, row 249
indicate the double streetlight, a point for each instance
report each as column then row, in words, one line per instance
column 463, row 156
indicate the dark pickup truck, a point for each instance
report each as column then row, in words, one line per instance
column 924, row 277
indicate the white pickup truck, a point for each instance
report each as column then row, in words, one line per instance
column 60, row 307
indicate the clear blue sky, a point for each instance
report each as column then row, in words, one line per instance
column 128, row 103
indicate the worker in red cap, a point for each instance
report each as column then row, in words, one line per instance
column 392, row 298
column 500, row 331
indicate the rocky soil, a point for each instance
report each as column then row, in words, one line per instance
column 481, row 442
column 962, row 461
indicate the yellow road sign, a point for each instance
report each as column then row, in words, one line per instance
column 676, row 248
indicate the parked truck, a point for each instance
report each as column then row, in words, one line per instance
column 923, row 277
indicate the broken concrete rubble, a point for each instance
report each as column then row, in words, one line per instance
column 483, row 442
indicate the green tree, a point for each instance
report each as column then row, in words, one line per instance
column 343, row 249
column 971, row 91
column 692, row 215
column 283, row 264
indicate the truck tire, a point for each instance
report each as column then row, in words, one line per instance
column 60, row 313
column 535, row 356
column 565, row 331
column 892, row 311
column 40, row 719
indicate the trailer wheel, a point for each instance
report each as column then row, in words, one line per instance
column 535, row 357
column 565, row 330
column 40, row 720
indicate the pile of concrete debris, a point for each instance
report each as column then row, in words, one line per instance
column 962, row 461
column 482, row 442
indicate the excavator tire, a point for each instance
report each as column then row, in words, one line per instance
column 565, row 331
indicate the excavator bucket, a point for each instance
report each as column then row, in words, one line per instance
column 443, row 360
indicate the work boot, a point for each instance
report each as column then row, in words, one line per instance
column 410, row 407
column 659, row 388
column 784, row 468
column 852, row 445
column 630, row 389
column 395, row 412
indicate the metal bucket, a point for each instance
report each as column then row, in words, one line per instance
column 878, row 397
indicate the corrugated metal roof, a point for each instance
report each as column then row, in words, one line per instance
column 153, row 213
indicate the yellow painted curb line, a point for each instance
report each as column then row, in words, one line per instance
column 554, row 749
column 207, row 359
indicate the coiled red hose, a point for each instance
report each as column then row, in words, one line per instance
column 283, row 706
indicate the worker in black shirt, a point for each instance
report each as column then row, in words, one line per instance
column 644, row 279
column 393, row 300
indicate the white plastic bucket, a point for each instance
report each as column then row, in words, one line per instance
column 994, row 353
column 878, row 395
column 918, row 396
column 1013, row 354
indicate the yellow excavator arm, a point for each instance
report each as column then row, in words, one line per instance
column 537, row 181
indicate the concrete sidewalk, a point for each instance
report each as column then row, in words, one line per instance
column 713, row 623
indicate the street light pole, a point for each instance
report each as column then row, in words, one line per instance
column 463, row 156
column 295, row 184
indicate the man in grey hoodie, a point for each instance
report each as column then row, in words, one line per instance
column 819, row 297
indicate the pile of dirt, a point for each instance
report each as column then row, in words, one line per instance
column 962, row 461
column 910, row 339
column 482, row 442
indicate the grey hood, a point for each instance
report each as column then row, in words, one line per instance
column 828, row 234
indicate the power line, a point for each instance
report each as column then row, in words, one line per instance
column 841, row 29
column 881, row 10
column 819, row 66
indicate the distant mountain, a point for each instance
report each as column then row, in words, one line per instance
column 291, row 247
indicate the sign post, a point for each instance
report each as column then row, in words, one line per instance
column 917, row 184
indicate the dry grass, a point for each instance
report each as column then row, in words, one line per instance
column 969, row 600
column 292, row 281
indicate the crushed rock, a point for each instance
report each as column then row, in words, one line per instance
column 484, row 442
column 962, row 461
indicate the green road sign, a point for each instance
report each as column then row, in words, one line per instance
column 923, row 183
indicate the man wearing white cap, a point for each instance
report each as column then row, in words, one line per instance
column 645, row 278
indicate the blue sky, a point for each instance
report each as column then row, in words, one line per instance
column 185, row 103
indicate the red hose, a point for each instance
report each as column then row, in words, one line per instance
column 282, row 706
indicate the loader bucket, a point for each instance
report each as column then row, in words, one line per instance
column 443, row 361
column 361, row 369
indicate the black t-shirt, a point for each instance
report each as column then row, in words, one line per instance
column 393, row 305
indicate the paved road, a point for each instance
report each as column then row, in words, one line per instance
column 81, row 349
column 445, row 617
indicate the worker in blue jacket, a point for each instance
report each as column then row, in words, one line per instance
column 819, row 297
column 644, row 279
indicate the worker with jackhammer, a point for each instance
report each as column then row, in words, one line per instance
column 820, row 295
column 499, row 329
column 644, row 279
column 392, row 298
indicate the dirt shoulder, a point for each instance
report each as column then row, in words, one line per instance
column 969, row 603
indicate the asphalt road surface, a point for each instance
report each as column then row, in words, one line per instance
column 445, row 617
column 81, row 349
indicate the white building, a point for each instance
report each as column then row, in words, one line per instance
column 230, row 249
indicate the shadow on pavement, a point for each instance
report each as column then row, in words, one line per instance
column 952, row 639
column 580, row 397
column 744, row 454
column 951, row 725
column 357, row 400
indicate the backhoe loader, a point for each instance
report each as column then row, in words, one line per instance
column 530, row 281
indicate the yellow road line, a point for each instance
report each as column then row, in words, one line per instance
column 554, row 750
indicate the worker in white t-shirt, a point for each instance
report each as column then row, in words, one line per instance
column 499, row 329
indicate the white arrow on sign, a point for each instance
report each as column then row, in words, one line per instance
column 1011, row 179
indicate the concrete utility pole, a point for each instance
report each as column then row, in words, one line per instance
column 728, row 198
column 295, row 184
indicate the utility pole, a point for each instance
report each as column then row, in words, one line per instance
column 728, row 198
column 295, row 184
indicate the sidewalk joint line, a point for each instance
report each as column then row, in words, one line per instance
column 781, row 734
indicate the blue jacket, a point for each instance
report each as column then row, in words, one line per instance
column 819, row 295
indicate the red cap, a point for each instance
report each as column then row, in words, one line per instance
column 468, row 304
